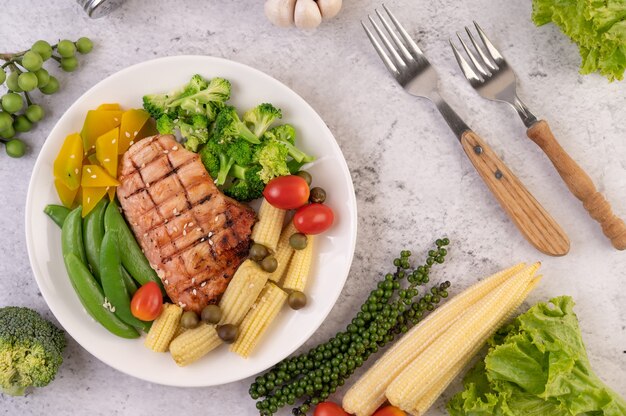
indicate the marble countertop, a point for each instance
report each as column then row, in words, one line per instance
column 413, row 183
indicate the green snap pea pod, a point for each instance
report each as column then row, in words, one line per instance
column 57, row 213
column 92, row 298
column 113, row 281
column 133, row 258
column 72, row 234
column 93, row 232
column 131, row 286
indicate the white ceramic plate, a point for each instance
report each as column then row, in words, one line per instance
column 333, row 254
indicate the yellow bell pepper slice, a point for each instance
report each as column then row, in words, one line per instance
column 94, row 177
column 67, row 165
column 106, row 151
column 96, row 124
column 109, row 107
column 111, row 191
column 66, row 195
column 132, row 122
column 91, row 196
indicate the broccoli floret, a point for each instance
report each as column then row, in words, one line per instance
column 196, row 84
column 210, row 161
column 241, row 151
column 194, row 134
column 226, row 162
column 212, row 109
column 228, row 126
column 218, row 89
column 30, row 350
column 165, row 125
column 247, row 184
column 272, row 156
column 286, row 135
column 260, row 117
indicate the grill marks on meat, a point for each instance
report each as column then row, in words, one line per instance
column 194, row 236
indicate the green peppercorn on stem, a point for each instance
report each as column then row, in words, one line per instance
column 389, row 310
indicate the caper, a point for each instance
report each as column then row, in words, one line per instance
column 258, row 252
column 306, row 176
column 211, row 314
column 296, row 300
column 298, row 241
column 269, row 264
column 189, row 319
column 317, row 195
column 227, row 333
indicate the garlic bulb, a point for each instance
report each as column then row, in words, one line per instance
column 280, row 12
column 329, row 8
column 305, row 14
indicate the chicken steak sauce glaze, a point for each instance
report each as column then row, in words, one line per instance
column 194, row 236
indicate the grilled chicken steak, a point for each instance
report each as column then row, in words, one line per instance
column 194, row 236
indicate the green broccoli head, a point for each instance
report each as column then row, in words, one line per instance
column 241, row 151
column 194, row 134
column 286, row 135
column 196, row 84
column 210, row 160
column 155, row 104
column 228, row 126
column 260, row 117
column 165, row 125
column 272, row 156
column 246, row 184
column 218, row 90
column 30, row 350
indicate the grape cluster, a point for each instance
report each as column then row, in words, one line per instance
column 23, row 72
column 390, row 309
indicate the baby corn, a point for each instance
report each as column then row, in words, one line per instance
column 284, row 252
column 267, row 230
column 300, row 267
column 368, row 393
column 242, row 291
column 193, row 344
column 164, row 328
column 258, row 320
column 476, row 324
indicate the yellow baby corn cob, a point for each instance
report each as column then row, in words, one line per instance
column 180, row 330
column 368, row 393
column 476, row 324
column 241, row 292
column 300, row 267
column 194, row 344
column 256, row 322
column 267, row 230
column 426, row 401
column 164, row 328
column 283, row 252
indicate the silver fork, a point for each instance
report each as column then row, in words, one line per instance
column 409, row 66
column 493, row 78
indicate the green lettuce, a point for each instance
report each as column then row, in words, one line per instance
column 537, row 366
column 597, row 26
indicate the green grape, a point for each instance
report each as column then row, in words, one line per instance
column 12, row 82
column 84, row 45
column 42, row 77
column 32, row 61
column 27, row 81
column 51, row 87
column 43, row 48
column 6, row 120
column 66, row 48
column 3, row 75
column 34, row 113
column 15, row 148
column 7, row 133
column 22, row 124
column 69, row 64
column 12, row 102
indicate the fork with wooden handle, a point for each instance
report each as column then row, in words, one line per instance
column 494, row 79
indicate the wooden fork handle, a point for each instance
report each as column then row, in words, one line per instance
column 580, row 184
column 533, row 221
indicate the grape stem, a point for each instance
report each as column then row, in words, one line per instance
column 11, row 56
column 28, row 98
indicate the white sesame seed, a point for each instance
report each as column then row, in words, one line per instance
column 166, row 151
column 199, row 229
column 202, row 240
column 166, row 282
column 72, row 156
column 210, row 234
column 88, row 199
column 190, row 224
column 203, row 284
column 145, row 234
column 107, row 160
column 193, row 280
column 211, row 242
column 217, row 218
column 147, row 184
column 127, row 134
column 143, row 165
column 93, row 176
column 184, row 232
column 113, row 141
column 116, row 119
column 76, row 171
column 194, row 292
column 135, row 133
column 112, row 308
column 175, row 148
column 166, row 220
column 175, row 229
column 185, row 226
column 88, row 170
column 132, row 142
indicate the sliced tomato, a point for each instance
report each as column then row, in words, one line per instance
column 313, row 218
column 329, row 409
column 389, row 411
column 147, row 302
column 287, row 192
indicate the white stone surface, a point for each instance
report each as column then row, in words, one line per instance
column 412, row 180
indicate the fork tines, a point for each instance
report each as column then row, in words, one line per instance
column 487, row 60
column 401, row 51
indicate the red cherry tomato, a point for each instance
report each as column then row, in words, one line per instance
column 329, row 409
column 147, row 302
column 287, row 192
column 313, row 218
column 389, row 411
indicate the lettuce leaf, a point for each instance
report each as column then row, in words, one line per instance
column 597, row 26
column 536, row 366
